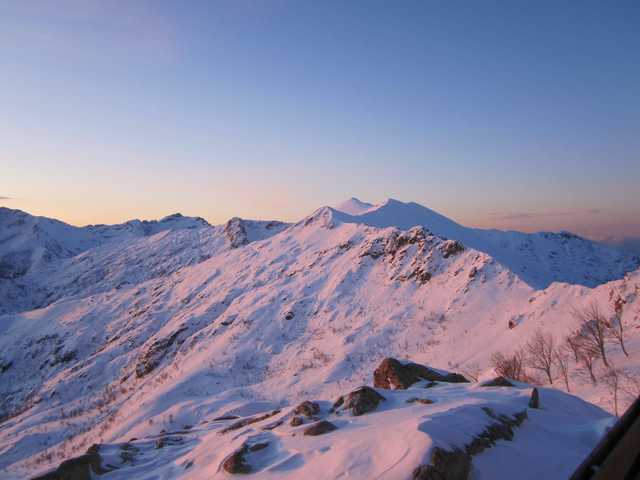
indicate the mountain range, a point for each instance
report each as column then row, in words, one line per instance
column 172, row 331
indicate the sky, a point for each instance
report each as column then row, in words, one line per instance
column 508, row 114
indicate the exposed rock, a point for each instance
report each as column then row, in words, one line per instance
column 248, row 421
column 534, row 401
column 307, row 408
column 455, row 464
column 83, row 467
column 392, row 374
column 289, row 316
column 497, row 382
column 319, row 428
column 445, row 465
column 236, row 232
column 236, row 463
column 451, row 247
column 225, row 417
column 360, row 401
column 296, row 421
column 473, row 272
column 150, row 358
column 512, row 324
column 424, row 401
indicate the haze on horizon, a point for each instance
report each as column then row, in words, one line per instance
column 513, row 115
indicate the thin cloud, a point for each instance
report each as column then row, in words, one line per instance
column 5, row 198
column 530, row 215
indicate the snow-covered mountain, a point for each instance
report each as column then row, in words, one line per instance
column 44, row 259
column 537, row 258
column 168, row 335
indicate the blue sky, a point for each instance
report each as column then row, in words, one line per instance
column 503, row 114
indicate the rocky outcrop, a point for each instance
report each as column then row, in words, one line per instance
column 360, row 401
column 248, row 421
column 150, row 358
column 319, row 428
column 450, row 248
column 445, row 465
column 455, row 464
column 497, row 382
column 237, row 463
column 236, row 232
column 83, row 467
column 392, row 374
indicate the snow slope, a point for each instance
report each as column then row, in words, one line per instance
column 302, row 312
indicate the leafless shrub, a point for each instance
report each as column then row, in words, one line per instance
column 617, row 328
column 572, row 343
column 472, row 371
column 511, row 367
column 611, row 379
column 587, row 356
column 561, row 361
column 540, row 353
column 593, row 330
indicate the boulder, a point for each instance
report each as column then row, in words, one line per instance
column 307, row 408
column 319, row 428
column 392, row 374
column 236, row 463
column 360, row 401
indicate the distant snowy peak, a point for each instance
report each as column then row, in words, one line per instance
column 137, row 227
column 537, row 258
column 28, row 242
column 353, row 206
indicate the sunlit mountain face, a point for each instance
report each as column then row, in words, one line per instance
column 175, row 348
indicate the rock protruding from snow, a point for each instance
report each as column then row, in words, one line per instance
column 319, row 428
column 362, row 400
column 84, row 467
column 455, row 463
column 534, row 401
column 307, row 408
column 393, row 374
column 497, row 382
column 237, row 462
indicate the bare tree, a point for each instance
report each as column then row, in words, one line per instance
column 572, row 342
column 561, row 360
column 472, row 370
column 593, row 329
column 616, row 329
column 540, row 353
column 510, row 367
column 588, row 355
column 611, row 379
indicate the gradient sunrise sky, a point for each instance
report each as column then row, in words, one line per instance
column 509, row 114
